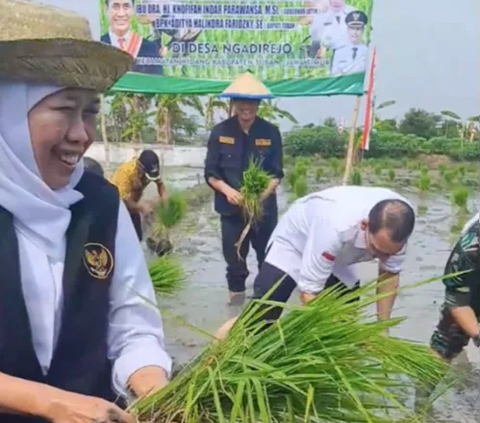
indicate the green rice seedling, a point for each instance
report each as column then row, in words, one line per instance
column 450, row 176
column 378, row 169
column 424, row 183
column 336, row 166
column 462, row 170
column 301, row 187
column 424, row 170
column 324, row 362
column 460, row 197
column 173, row 211
column 292, row 177
column 391, row 174
column 319, row 172
column 301, row 167
column 356, row 177
column 442, row 168
column 167, row 275
column 255, row 181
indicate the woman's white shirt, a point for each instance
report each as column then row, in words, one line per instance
column 135, row 335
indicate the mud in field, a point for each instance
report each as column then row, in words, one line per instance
column 203, row 303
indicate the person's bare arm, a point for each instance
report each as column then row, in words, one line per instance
column 147, row 380
column 162, row 192
column 465, row 318
column 387, row 283
column 24, row 397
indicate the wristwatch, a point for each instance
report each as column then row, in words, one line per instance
column 476, row 341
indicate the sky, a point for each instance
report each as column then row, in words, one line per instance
column 428, row 56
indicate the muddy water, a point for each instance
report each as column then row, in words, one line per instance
column 203, row 303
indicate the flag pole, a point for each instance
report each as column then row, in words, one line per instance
column 351, row 141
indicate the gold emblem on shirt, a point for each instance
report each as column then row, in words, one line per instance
column 98, row 260
column 226, row 140
column 261, row 142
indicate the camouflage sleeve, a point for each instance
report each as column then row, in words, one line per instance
column 464, row 260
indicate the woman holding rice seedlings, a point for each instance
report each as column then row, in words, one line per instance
column 321, row 237
column 75, row 336
column 232, row 145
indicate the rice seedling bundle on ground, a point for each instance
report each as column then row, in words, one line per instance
column 301, row 187
column 460, row 197
column 254, row 183
column 424, row 183
column 450, row 176
column 391, row 175
column 325, row 362
column 167, row 275
column 356, row 177
column 301, row 167
column 292, row 177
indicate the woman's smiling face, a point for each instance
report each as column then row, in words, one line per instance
column 62, row 128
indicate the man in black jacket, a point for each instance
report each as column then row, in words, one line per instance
column 231, row 145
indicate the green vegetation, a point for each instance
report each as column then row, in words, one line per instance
column 171, row 213
column 301, row 187
column 323, row 362
column 424, row 184
column 167, row 275
column 319, row 172
column 391, row 175
column 336, row 166
column 450, row 176
column 254, row 183
column 356, row 177
column 460, row 197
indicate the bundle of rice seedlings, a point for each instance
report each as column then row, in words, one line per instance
column 460, row 197
column 424, row 183
column 391, row 174
column 356, row 177
column 450, row 176
column 167, row 275
column 301, row 167
column 170, row 214
column 254, row 183
column 292, row 177
column 325, row 362
column 301, row 187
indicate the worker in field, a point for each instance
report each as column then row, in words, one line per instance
column 131, row 179
column 231, row 145
column 460, row 313
column 323, row 235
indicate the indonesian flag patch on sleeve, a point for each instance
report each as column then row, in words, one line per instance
column 327, row 256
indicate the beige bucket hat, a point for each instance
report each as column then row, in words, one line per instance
column 247, row 87
column 45, row 44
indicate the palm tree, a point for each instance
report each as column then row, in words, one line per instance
column 137, row 119
column 211, row 106
column 169, row 113
column 270, row 111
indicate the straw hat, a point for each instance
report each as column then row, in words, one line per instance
column 247, row 87
column 44, row 44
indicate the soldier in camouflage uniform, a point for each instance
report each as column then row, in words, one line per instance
column 461, row 310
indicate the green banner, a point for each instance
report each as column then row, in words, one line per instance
column 298, row 48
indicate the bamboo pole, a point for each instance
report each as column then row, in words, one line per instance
column 351, row 141
column 103, row 126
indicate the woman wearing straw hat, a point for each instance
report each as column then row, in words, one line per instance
column 75, row 335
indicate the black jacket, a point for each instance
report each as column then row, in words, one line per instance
column 229, row 152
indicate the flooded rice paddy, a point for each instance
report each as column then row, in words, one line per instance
column 203, row 303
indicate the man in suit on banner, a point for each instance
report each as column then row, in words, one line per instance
column 120, row 35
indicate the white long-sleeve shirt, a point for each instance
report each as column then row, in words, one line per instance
column 135, row 335
column 349, row 58
column 322, row 234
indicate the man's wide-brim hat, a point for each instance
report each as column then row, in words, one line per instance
column 247, row 87
column 45, row 44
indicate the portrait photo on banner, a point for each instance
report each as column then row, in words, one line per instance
column 220, row 39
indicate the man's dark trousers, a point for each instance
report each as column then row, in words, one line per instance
column 232, row 228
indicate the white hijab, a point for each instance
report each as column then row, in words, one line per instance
column 40, row 214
